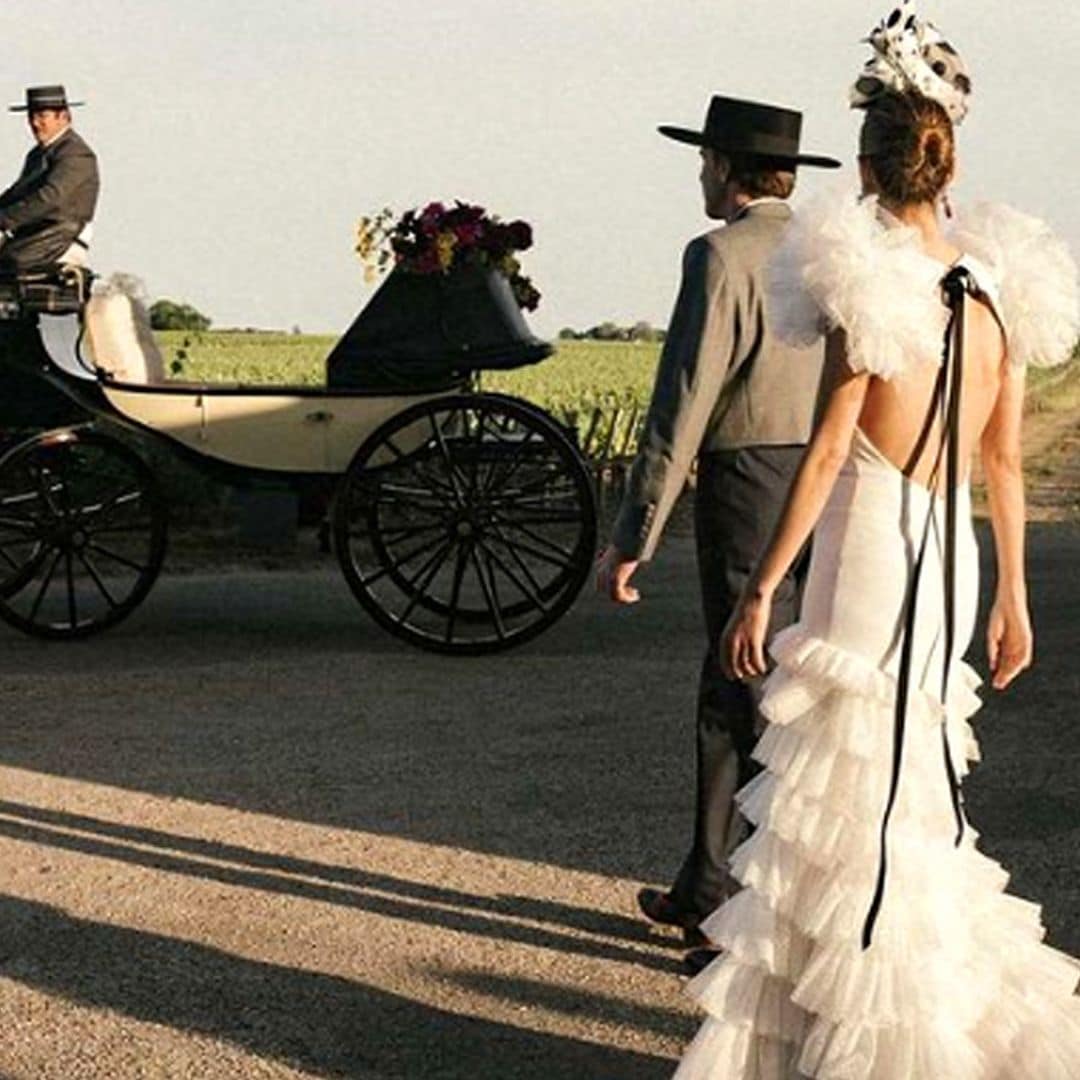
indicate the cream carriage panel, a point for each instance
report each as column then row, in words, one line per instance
column 282, row 432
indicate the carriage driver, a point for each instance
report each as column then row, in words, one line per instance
column 45, row 215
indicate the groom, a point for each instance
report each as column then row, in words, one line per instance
column 741, row 402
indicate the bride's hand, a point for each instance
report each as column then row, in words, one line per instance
column 1009, row 642
column 742, row 645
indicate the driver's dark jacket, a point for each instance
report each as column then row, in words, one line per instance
column 48, row 205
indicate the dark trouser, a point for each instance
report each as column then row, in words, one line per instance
column 740, row 494
column 37, row 248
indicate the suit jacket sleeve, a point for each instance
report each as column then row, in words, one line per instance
column 12, row 193
column 694, row 364
column 69, row 171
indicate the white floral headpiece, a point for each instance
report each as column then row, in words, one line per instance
column 912, row 54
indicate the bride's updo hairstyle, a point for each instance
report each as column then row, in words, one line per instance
column 908, row 141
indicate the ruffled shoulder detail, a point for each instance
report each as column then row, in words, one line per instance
column 839, row 266
column 1036, row 280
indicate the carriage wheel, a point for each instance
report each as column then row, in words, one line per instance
column 82, row 533
column 466, row 524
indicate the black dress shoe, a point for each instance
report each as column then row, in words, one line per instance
column 658, row 907
column 697, row 960
column 693, row 938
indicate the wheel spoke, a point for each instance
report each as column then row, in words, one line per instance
column 45, row 491
column 96, row 578
column 128, row 527
column 522, row 565
column 455, row 591
column 104, row 510
column 15, row 500
column 478, row 443
column 489, row 597
column 408, row 530
column 13, row 541
column 544, row 488
column 414, row 507
column 69, row 574
column 46, row 581
column 18, row 524
column 427, row 572
column 448, row 461
column 389, row 569
column 564, row 517
column 528, row 592
column 121, row 559
column 413, row 466
column 425, row 500
column 566, row 556
column 514, row 463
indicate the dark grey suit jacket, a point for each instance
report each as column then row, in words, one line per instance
column 723, row 382
column 46, row 208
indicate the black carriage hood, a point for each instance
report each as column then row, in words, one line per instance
column 422, row 330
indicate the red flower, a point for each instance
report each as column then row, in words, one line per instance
column 479, row 238
column 468, row 233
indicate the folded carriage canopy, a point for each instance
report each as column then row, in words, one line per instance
column 425, row 331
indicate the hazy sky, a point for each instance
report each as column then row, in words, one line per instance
column 239, row 140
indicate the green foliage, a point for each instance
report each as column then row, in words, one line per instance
column 579, row 377
column 169, row 315
column 258, row 358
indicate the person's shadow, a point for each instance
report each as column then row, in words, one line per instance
column 309, row 1020
column 497, row 917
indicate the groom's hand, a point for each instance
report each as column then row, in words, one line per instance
column 613, row 573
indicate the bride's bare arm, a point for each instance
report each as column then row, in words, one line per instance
column 743, row 647
column 1009, row 640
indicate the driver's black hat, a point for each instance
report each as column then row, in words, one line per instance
column 45, row 97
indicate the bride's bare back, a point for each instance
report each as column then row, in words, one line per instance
column 894, row 411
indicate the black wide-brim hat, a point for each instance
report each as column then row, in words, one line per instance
column 45, row 97
column 768, row 132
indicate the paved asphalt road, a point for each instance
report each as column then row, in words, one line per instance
column 249, row 835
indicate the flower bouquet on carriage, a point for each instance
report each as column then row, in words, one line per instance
column 451, row 304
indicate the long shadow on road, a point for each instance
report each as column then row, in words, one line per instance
column 496, row 917
column 317, row 1022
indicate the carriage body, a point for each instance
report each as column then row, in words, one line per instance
column 463, row 521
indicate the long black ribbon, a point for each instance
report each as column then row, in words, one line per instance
column 956, row 285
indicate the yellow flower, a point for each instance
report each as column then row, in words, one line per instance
column 445, row 243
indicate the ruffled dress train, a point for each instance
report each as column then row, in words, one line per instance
column 957, row 984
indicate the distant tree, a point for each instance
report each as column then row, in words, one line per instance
column 169, row 315
column 606, row 331
column 642, row 331
column 609, row 331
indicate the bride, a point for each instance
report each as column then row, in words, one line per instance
column 871, row 940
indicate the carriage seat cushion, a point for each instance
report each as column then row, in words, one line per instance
column 52, row 291
column 120, row 340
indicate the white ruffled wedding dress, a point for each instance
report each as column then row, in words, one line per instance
column 956, row 984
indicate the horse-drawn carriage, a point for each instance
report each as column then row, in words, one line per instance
column 463, row 521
